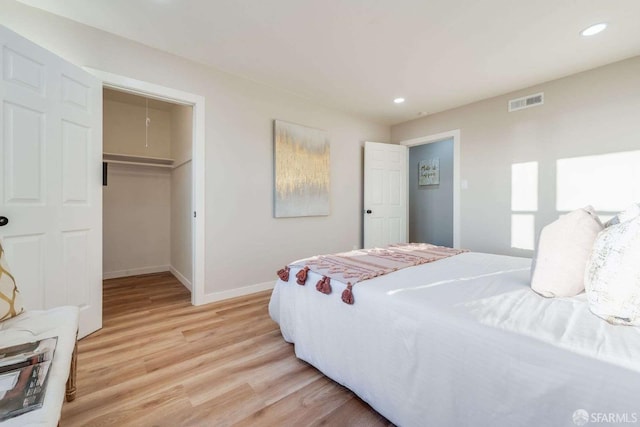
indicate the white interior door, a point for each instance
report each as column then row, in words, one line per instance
column 385, row 194
column 51, row 179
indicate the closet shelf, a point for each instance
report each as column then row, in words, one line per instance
column 128, row 159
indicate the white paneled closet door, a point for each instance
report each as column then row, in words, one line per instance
column 50, row 179
column 385, row 194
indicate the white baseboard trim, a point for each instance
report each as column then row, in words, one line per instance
column 238, row 292
column 135, row 271
column 185, row 282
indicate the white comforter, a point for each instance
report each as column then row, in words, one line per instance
column 464, row 341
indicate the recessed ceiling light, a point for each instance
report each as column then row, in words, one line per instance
column 398, row 100
column 594, row 29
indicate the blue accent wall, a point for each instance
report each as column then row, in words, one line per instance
column 431, row 206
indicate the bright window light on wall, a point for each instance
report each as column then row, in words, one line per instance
column 523, row 231
column 608, row 182
column 524, row 200
column 524, row 186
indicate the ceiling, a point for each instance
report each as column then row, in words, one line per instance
column 358, row 55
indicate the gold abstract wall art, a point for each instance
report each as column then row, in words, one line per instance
column 301, row 169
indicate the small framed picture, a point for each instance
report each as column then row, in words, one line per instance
column 429, row 172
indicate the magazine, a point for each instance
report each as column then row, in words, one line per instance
column 22, row 390
column 30, row 353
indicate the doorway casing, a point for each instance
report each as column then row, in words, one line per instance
column 455, row 135
column 197, row 102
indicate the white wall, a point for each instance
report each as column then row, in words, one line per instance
column 245, row 245
column 181, row 133
column 181, row 194
column 137, row 211
column 594, row 113
column 126, row 131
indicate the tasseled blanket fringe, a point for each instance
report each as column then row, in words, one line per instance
column 302, row 276
column 283, row 274
column 347, row 294
column 324, row 285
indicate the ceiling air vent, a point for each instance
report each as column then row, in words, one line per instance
column 526, row 102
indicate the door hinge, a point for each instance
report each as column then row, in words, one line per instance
column 194, row 214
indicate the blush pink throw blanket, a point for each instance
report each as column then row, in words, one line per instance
column 356, row 266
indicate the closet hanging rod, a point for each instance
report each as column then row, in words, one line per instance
column 128, row 158
column 125, row 162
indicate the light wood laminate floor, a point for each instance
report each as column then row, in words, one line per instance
column 159, row 361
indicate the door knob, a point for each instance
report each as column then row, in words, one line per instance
column 3, row 221
column 369, row 211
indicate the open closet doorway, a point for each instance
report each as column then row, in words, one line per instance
column 147, row 187
column 431, row 193
column 434, row 200
column 188, row 165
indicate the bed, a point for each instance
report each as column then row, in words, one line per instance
column 464, row 341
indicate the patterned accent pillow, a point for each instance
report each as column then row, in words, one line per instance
column 612, row 277
column 625, row 215
column 10, row 298
column 562, row 253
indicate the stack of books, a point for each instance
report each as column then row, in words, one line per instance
column 24, row 370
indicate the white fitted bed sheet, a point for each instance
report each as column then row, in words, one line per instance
column 464, row 341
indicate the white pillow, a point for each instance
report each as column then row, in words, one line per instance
column 629, row 213
column 612, row 277
column 564, row 248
